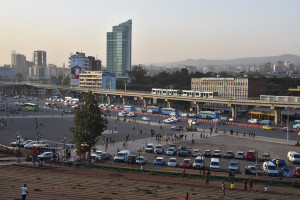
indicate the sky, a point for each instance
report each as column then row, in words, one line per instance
column 163, row 30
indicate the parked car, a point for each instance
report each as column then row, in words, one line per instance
column 195, row 152
column 145, row 119
column 286, row 128
column 265, row 157
column 122, row 156
column 46, row 155
column 270, row 169
column 131, row 159
column 96, row 154
column 159, row 149
column 150, row 148
column 186, row 163
column 234, row 166
column 170, row 151
column 267, row 127
column 297, row 172
column 106, row 155
column 293, row 157
column 183, row 151
column 141, row 160
column 251, row 169
column 229, row 154
column 17, row 143
column 173, row 146
column 159, row 161
column 285, row 172
column 281, row 162
column 240, row 155
column 172, row 162
column 122, row 114
column 217, row 153
column 214, row 164
column 251, row 155
column 73, row 162
column 207, row 153
column 199, row 162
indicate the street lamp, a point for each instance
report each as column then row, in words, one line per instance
column 19, row 145
column 287, row 124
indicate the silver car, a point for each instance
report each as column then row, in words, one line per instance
column 172, row 162
column 141, row 160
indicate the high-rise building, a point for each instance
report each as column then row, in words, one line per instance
column 118, row 52
column 39, row 64
column 95, row 65
column 19, row 61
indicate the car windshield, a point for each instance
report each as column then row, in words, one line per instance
column 285, row 170
column 296, row 155
column 215, row 163
column 120, row 154
column 298, row 170
column 196, row 151
column 140, row 159
column 240, row 153
column 250, row 154
column 272, row 168
column 233, row 164
column 172, row 160
column 170, row 149
column 149, row 146
column 217, row 151
column 198, row 161
column 207, row 152
column 159, row 160
column 252, row 168
column 229, row 153
column 186, row 161
column 158, row 147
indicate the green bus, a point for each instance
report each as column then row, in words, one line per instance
column 31, row 106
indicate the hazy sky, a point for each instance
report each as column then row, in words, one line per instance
column 163, row 30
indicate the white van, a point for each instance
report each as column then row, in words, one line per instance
column 270, row 169
column 214, row 164
column 253, row 121
column 199, row 162
column 293, row 157
column 122, row 156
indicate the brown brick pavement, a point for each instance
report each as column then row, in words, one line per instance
column 78, row 183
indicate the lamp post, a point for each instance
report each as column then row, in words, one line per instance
column 287, row 124
column 19, row 145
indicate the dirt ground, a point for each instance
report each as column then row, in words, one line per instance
column 81, row 183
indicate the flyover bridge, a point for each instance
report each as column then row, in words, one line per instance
column 147, row 96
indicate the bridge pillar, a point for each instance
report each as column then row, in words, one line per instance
column 233, row 111
column 145, row 103
column 198, row 107
column 108, row 99
column 124, row 100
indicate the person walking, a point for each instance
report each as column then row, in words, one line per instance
column 245, row 184
column 183, row 174
column 223, row 187
column 24, row 192
column 250, row 185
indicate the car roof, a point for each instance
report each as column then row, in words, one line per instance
column 160, row 158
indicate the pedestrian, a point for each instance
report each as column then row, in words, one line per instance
column 186, row 196
column 24, row 192
column 266, row 189
column 183, row 174
column 207, row 179
column 250, row 185
column 193, row 141
column 245, row 184
column 223, row 187
column 232, row 186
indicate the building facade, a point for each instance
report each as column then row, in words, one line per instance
column 238, row 88
column 97, row 80
column 39, row 68
column 79, row 63
column 19, row 61
column 118, row 51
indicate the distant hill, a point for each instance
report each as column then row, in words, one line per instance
column 295, row 59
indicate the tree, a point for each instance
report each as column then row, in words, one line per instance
column 66, row 80
column 137, row 74
column 89, row 124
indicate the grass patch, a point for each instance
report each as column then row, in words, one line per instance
column 12, row 186
column 38, row 178
column 148, row 192
column 73, row 188
column 194, row 194
column 101, row 192
column 115, row 193
column 169, row 187
column 120, row 184
column 37, row 190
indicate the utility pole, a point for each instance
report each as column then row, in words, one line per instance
column 287, row 124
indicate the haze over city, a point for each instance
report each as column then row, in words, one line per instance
column 162, row 31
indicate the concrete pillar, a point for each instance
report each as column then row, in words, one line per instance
column 197, row 108
column 275, row 116
column 145, row 103
column 108, row 99
column 232, row 111
column 124, row 100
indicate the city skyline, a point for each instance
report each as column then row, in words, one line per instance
column 162, row 31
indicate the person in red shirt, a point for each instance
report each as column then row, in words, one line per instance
column 186, row 196
column 183, row 174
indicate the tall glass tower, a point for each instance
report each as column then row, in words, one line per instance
column 118, row 51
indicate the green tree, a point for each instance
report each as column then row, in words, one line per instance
column 89, row 124
column 66, row 80
column 137, row 74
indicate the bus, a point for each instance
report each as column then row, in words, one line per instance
column 153, row 109
column 75, row 100
column 296, row 124
column 209, row 115
column 128, row 108
column 168, row 111
column 31, row 106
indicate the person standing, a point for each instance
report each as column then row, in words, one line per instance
column 223, row 187
column 250, row 185
column 183, row 174
column 24, row 192
column 186, row 196
column 245, row 184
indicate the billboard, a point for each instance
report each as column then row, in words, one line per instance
column 76, row 69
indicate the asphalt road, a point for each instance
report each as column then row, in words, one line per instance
column 55, row 127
